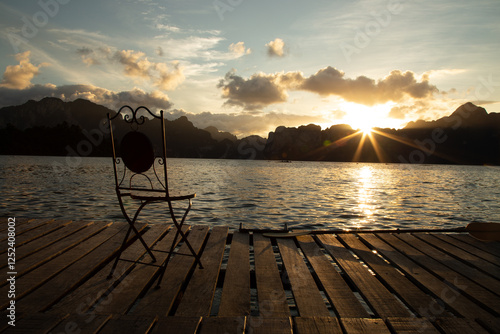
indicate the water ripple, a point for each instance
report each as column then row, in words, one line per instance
column 264, row 194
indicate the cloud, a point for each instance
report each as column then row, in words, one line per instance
column 399, row 112
column 88, row 56
column 417, row 110
column 136, row 64
column 193, row 47
column 363, row 90
column 445, row 72
column 256, row 92
column 74, row 34
column 264, row 89
column 276, row 48
column 168, row 28
column 108, row 98
column 20, row 76
column 338, row 114
column 84, row 51
column 169, row 77
column 239, row 49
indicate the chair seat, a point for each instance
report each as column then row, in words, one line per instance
column 152, row 195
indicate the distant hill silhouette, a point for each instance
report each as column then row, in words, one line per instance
column 466, row 116
column 51, row 111
column 53, row 127
column 469, row 135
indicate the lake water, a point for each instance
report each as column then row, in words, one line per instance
column 263, row 194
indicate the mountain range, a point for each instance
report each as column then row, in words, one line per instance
column 469, row 135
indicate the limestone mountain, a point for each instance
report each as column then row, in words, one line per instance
column 469, row 135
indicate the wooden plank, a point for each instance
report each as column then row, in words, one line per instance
column 412, row 295
column 216, row 325
column 81, row 323
column 463, row 277
column 54, row 237
column 31, row 281
column 120, row 300
column 35, row 323
column 31, row 224
column 469, row 248
column 128, row 324
column 470, row 259
column 270, row 293
column 364, row 326
column 490, row 247
column 160, row 301
column 40, row 231
column 411, row 325
column 86, row 295
column 382, row 300
column 4, row 314
column 337, row 290
column 459, row 326
column 261, row 325
column 37, row 259
column 4, row 222
column 491, row 325
column 177, row 325
column 197, row 299
column 453, row 300
column 305, row 291
column 235, row 299
column 320, row 325
column 59, row 286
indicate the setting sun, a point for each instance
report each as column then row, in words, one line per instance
column 366, row 130
column 365, row 118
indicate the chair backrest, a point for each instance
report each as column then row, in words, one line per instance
column 139, row 148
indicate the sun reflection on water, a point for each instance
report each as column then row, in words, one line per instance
column 366, row 205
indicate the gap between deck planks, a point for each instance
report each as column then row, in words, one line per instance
column 324, row 273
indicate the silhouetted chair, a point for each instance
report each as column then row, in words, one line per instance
column 141, row 176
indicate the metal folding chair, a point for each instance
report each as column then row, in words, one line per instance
column 140, row 169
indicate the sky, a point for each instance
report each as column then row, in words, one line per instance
column 247, row 67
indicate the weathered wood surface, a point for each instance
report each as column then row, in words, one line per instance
column 346, row 283
column 344, row 302
column 271, row 294
column 382, row 300
column 235, row 299
column 306, row 293
column 198, row 296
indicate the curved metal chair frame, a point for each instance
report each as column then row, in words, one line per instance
column 136, row 157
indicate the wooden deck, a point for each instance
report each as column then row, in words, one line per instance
column 344, row 283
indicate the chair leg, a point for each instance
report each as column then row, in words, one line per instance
column 122, row 248
column 139, row 236
column 132, row 224
column 164, row 267
column 196, row 256
column 178, row 227
column 183, row 236
column 131, row 227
